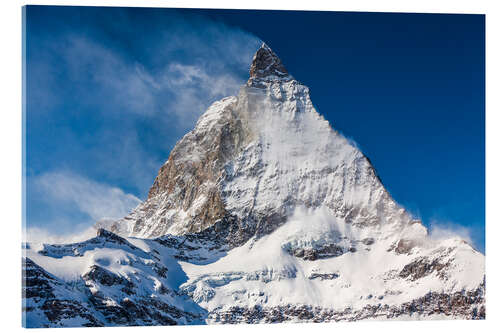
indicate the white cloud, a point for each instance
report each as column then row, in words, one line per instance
column 42, row 235
column 177, row 90
column 440, row 230
column 194, row 89
column 99, row 201
column 126, row 85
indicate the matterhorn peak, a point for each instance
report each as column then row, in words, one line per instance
column 267, row 66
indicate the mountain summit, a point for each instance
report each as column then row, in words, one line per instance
column 262, row 213
column 267, row 65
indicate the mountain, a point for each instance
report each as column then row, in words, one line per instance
column 262, row 213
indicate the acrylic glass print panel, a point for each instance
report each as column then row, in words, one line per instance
column 186, row 167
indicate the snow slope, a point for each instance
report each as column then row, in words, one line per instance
column 264, row 273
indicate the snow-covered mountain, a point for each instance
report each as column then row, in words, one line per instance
column 262, row 213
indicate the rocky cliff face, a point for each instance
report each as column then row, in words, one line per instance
column 262, row 213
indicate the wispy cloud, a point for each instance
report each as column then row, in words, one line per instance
column 97, row 200
column 114, row 79
column 43, row 235
column 178, row 78
column 440, row 230
column 195, row 89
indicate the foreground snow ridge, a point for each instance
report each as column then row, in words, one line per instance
column 263, row 213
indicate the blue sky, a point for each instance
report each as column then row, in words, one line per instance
column 110, row 91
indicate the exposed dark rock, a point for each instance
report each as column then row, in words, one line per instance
column 323, row 276
column 105, row 277
column 160, row 270
column 468, row 305
column 422, row 267
column 368, row 241
column 322, row 252
column 266, row 63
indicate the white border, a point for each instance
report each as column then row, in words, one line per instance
column 10, row 139
column 426, row 6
